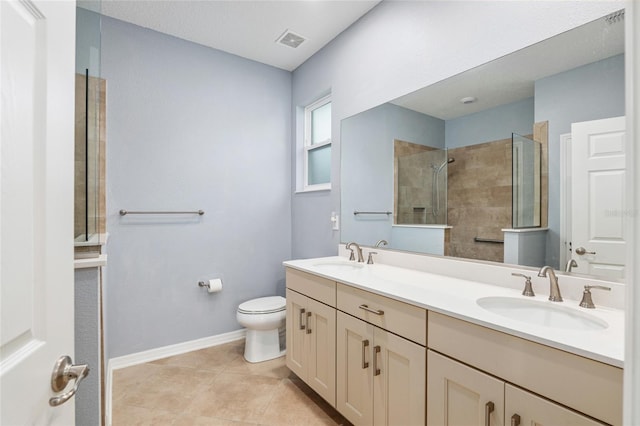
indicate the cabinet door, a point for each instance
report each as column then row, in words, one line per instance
column 321, row 335
column 400, row 386
column 533, row 410
column 354, row 390
column 296, row 329
column 461, row 395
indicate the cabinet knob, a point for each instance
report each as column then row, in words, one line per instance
column 376, row 351
column 489, row 407
column 365, row 345
column 307, row 323
column 515, row 420
column 302, row 327
column 373, row 311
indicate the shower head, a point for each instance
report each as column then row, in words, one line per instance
column 448, row 161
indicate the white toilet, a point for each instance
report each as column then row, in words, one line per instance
column 263, row 319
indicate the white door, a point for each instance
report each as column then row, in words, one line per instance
column 598, row 197
column 36, row 207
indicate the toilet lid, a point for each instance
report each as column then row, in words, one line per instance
column 263, row 305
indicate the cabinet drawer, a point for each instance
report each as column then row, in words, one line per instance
column 398, row 317
column 315, row 287
column 588, row 386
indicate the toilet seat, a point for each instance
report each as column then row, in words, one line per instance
column 263, row 305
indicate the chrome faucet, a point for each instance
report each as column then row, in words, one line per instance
column 352, row 257
column 381, row 243
column 554, row 290
column 571, row 263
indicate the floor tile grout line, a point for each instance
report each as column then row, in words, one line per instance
column 231, row 361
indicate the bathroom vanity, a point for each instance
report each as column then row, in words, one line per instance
column 391, row 345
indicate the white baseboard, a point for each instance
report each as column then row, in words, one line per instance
column 163, row 352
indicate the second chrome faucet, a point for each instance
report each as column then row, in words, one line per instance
column 358, row 250
column 554, row 290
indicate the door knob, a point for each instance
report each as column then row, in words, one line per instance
column 63, row 372
column 581, row 250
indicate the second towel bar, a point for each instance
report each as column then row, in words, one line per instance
column 126, row 212
column 355, row 213
column 487, row 240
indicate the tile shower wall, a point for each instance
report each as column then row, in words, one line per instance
column 191, row 128
column 94, row 159
column 413, row 178
column 479, row 199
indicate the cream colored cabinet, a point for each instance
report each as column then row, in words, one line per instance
column 578, row 383
column 380, row 376
column 461, row 395
column 524, row 408
column 311, row 343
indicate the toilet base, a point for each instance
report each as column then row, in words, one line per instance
column 262, row 345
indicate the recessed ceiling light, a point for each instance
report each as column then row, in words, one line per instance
column 468, row 100
column 291, row 39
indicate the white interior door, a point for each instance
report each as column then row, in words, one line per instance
column 598, row 202
column 36, row 206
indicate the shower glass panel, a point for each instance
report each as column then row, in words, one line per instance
column 526, row 182
column 420, row 184
column 89, row 127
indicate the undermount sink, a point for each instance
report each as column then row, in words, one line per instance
column 338, row 265
column 546, row 314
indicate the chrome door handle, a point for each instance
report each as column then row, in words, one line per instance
column 488, row 409
column 376, row 351
column 365, row 345
column 307, row 323
column 301, row 316
column 515, row 420
column 581, row 250
column 63, row 372
column 373, row 311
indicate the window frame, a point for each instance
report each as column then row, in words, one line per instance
column 308, row 146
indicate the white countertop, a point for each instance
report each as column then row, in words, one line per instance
column 457, row 298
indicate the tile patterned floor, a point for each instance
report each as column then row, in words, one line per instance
column 216, row 386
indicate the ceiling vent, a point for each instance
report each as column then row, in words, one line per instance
column 291, row 39
column 615, row 17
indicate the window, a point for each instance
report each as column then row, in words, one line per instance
column 317, row 145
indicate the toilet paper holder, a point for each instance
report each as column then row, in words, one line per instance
column 212, row 286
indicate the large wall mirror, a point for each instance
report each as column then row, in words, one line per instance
column 502, row 162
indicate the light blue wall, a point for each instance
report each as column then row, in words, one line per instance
column 490, row 125
column 367, row 156
column 590, row 92
column 87, row 343
column 418, row 239
column 399, row 47
column 190, row 127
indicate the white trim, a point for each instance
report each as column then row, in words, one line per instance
column 162, row 352
column 90, row 262
column 565, row 197
column 631, row 403
column 433, row 226
column 315, row 188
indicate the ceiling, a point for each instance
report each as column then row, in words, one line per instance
column 245, row 28
column 512, row 77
